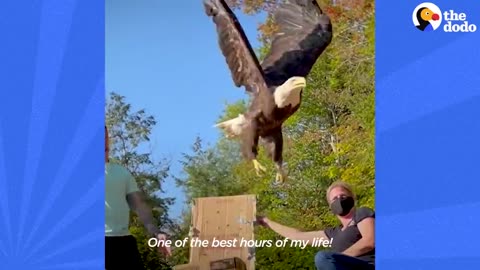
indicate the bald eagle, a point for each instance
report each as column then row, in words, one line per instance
column 276, row 84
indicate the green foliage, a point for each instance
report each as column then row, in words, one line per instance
column 209, row 172
column 331, row 137
column 130, row 132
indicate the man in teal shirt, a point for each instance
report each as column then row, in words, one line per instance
column 122, row 195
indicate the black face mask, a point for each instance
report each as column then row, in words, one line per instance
column 342, row 206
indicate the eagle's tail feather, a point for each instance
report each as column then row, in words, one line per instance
column 233, row 127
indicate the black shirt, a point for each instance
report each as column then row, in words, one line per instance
column 342, row 240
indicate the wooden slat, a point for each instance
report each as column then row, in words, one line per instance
column 186, row 267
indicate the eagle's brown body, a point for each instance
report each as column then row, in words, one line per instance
column 277, row 83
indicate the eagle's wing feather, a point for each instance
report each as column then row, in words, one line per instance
column 240, row 57
column 304, row 32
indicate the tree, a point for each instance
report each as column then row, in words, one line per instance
column 129, row 134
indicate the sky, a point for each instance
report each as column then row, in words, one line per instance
column 163, row 56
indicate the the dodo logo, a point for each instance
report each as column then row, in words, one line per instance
column 428, row 17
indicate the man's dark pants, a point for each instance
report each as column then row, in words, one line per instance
column 121, row 253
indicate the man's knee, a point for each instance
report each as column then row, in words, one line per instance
column 323, row 257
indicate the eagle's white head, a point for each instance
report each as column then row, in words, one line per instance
column 289, row 92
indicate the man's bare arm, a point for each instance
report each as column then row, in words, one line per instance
column 295, row 234
column 367, row 242
column 137, row 203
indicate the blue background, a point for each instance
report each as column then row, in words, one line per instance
column 51, row 134
column 427, row 141
column 51, row 138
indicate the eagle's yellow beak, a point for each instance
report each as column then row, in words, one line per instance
column 298, row 82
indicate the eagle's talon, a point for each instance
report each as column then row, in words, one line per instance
column 258, row 167
column 280, row 178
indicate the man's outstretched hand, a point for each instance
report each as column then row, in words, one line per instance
column 162, row 249
column 262, row 221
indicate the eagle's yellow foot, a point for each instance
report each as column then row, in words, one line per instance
column 280, row 178
column 258, row 167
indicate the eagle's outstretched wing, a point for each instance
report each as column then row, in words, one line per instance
column 241, row 59
column 304, row 32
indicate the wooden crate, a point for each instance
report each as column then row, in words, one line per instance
column 223, row 218
column 228, row 264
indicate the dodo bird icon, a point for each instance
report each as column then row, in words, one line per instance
column 427, row 17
